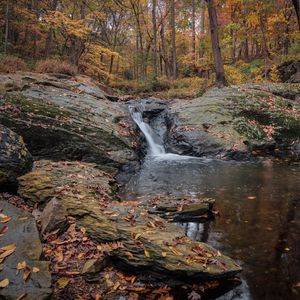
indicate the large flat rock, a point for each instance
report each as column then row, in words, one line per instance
column 65, row 118
column 238, row 121
column 151, row 244
column 22, row 232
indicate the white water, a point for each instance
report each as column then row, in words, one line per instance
column 155, row 149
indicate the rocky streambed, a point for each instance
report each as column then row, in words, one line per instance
column 80, row 139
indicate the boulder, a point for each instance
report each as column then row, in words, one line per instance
column 289, row 71
column 238, row 121
column 65, row 118
column 22, row 234
column 15, row 160
column 147, row 243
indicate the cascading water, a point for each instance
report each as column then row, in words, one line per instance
column 155, row 149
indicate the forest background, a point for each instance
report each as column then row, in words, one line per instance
column 146, row 46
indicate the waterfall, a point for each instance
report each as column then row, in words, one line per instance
column 155, row 149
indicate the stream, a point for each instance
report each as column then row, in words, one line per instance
column 258, row 202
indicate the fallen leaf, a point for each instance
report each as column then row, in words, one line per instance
column 251, row 197
column 26, row 273
column 21, row 265
column 8, row 250
column 63, row 282
column 22, row 296
column 5, row 219
column 3, row 229
column 35, row 269
column 147, row 254
column 175, row 251
column 4, row 283
column 164, row 254
column 23, row 218
column 83, row 230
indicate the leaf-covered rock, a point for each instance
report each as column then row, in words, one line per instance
column 63, row 118
column 145, row 242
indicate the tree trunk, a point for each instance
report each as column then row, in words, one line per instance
column 154, row 38
column 173, row 37
column 213, row 23
column 6, row 27
column 194, row 31
column 164, row 49
column 202, row 17
column 296, row 4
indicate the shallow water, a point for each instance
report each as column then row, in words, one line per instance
column 259, row 222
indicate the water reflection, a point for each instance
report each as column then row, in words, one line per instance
column 259, row 222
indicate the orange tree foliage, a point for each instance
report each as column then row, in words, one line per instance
column 110, row 39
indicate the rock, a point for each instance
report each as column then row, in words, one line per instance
column 148, row 243
column 94, row 266
column 185, row 212
column 15, row 160
column 66, row 119
column 23, row 233
column 236, row 121
column 289, row 71
column 53, row 216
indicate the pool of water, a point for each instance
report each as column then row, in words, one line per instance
column 259, row 216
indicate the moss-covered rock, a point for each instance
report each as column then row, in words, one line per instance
column 63, row 118
column 232, row 121
column 15, row 160
column 148, row 243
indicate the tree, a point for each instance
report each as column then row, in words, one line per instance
column 218, row 61
column 296, row 4
column 173, row 34
column 154, row 2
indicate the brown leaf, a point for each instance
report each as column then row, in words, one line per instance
column 22, row 296
column 147, row 254
column 5, row 219
column 35, row 270
column 21, row 265
column 26, row 273
column 3, row 229
column 8, row 250
column 63, row 282
column 4, row 283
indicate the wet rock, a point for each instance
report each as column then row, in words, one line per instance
column 66, row 118
column 183, row 211
column 23, row 233
column 94, row 266
column 289, row 71
column 231, row 123
column 53, row 216
column 15, row 160
column 149, row 244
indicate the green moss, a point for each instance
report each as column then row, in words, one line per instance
column 31, row 105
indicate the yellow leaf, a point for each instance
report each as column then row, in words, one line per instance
column 175, row 251
column 164, row 254
column 23, row 218
column 83, row 230
column 5, row 219
column 22, row 296
column 146, row 253
column 137, row 236
column 63, row 282
column 8, row 247
column 4, row 283
column 26, row 274
column 35, row 269
column 21, row 265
